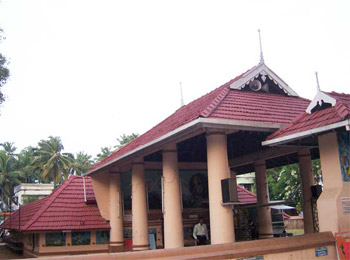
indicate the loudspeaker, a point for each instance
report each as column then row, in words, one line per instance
column 316, row 191
column 229, row 190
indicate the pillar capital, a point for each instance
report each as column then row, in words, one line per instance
column 259, row 163
column 170, row 148
column 214, row 131
column 137, row 160
column 114, row 170
column 304, row 152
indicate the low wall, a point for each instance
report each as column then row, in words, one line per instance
column 299, row 247
column 294, row 222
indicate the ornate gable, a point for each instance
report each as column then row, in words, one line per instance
column 262, row 79
column 320, row 101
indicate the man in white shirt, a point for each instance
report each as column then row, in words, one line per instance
column 200, row 232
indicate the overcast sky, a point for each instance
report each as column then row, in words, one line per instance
column 89, row 71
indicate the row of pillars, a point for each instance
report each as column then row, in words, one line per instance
column 221, row 216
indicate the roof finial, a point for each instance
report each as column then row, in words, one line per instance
column 182, row 98
column 261, row 52
column 318, row 84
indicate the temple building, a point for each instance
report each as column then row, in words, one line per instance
column 152, row 191
column 182, row 161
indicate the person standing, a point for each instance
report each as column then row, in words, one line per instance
column 200, row 232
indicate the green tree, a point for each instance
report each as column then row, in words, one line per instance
column 25, row 165
column 4, row 71
column 10, row 176
column 81, row 163
column 316, row 169
column 124, row 139
column 53, row 164
column 8, row 148
column 105, row 152
column 283, row 182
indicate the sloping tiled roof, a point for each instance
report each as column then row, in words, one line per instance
column 327, row 116
column 245, row 196
column 64, row 209
column 221, row 103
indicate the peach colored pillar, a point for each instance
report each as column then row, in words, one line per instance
column 116, row 243
column 221, row 217
column 307, row 179
column 139, row 207
column 264, row 213
column 331, row 213
column 173, row 229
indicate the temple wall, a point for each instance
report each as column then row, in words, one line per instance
column 68, row 249
column 331, row 211
column 299, row 247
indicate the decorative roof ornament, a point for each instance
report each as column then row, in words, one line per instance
column 261, row 71
column 261, row 52
column 320, row 98
column 318, row 84
column 182, row 102
column 262, row 79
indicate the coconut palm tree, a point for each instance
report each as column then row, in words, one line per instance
column 125, row 139
column 10, row 176
column 81, row 163
column 25, row 165
column 53, row 164
column 105, row 152
column 8, row 148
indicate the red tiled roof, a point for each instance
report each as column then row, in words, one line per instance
column 245, row 196
column 64, row 209
column 259, row 107
column 221, row 103
column 327, row 116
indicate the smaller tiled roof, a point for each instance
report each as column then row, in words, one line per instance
column 317, row 119
column 245, row 196
column 64, row 209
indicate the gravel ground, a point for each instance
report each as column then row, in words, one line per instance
column 7, row 253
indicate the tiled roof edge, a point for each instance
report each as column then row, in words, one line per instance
column 107, row 159
column 49, row 201
column 15, row 213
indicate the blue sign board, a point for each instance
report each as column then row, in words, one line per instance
column 321, row 251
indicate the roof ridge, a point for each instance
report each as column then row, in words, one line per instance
column 50, row 199
column 336, row 93
column 215, row 102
